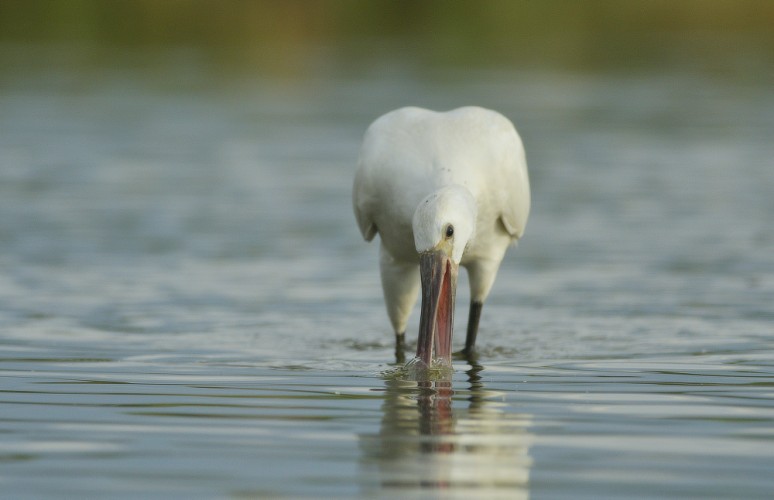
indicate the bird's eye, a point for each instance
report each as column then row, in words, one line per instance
column 449, row 231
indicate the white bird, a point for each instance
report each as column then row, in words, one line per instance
column 442, row 190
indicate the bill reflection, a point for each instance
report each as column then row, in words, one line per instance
column 434, row 439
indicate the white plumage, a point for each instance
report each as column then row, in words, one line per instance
column 422, row 175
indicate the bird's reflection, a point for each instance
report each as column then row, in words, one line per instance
column 460, row 442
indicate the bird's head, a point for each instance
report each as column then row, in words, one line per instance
column 445, row 221
column 443, row 224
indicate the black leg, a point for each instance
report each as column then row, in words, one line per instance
column 473, row 319
column 400, row 348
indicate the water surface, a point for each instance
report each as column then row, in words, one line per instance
column 187, row 309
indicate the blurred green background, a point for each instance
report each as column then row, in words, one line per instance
column 292, row 37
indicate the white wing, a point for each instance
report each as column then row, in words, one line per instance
column 515, row 184
column 361, row 198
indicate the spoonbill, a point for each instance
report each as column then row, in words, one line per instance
column 442, row 189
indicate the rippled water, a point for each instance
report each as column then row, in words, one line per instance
column 187, row 309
